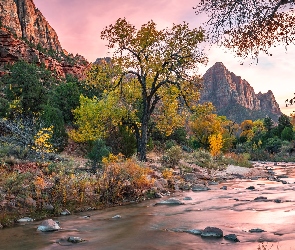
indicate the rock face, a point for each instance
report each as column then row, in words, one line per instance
column 26, row 35
column 234, row 97
column 27, row 22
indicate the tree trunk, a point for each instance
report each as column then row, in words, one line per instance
column 142, row 143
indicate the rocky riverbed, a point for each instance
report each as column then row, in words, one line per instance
column 241, row 209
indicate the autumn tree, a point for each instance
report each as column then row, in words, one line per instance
column 151, row 77
column 249, row 27
column 205, row 125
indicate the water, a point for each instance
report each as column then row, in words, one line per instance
column 145, row 226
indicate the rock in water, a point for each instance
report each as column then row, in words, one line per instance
column 170, row 201
column 256, row 230
column 48, row 226
column 75, row 239
column 212, row 232
column 231, row 237
column 197, row 188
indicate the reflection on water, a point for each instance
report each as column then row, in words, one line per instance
column 145, row 226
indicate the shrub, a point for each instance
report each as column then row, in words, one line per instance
column 97, row 152
column 273, row 145
column 172, row 156
column 122, row 180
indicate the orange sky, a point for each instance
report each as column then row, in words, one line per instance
column 79, row 24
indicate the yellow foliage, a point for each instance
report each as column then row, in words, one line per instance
column 216, row 143
column 42, row 141
column 122, row 177
column 205, row 126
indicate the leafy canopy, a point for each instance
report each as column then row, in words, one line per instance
column 151, row 79
column 249, row 27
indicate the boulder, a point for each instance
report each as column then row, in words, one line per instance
column 75, row 239
column 212, row 232
column 231, row 237
column 48, row 226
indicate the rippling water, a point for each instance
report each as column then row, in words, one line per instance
column 145, row 226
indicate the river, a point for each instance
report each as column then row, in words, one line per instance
column 162, row 227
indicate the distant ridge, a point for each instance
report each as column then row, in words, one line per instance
column 234, row 97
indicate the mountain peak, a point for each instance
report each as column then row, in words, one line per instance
column 234, row 97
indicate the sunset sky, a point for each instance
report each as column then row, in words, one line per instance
column 79, row 24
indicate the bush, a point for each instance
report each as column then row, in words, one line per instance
column 273, row 145
column 122, row 180
column 204, row 159
column 53, row 117
column 97, row 152
column 172, row 156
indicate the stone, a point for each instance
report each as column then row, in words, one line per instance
column 259, row 198
column 251, row 188
column 158, row 195
column 212, row 232
column 65, row 212
column 277, row 200
column 194, row 231
column 231, row 237
column 170, row 201
column 256, row 230
column 224, row 187
column 25, row 219
column 187, row 198
column 48, row 226
column 75, row 239
column 197, row 188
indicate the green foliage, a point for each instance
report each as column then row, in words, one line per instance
column 287, row 134
column 53, row 117
column 121, row 140
column 284, row 122
column 273, row 145
column 4, row 107
column 65, row 97
column 97, row 152
column 172, row 156
column 27, row 87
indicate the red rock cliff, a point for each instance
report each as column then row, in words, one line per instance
column 225, row 90
column 26, row 35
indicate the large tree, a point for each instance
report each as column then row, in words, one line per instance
column 250, row 26
column 150, row 79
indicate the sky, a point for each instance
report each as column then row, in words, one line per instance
column 79, row 23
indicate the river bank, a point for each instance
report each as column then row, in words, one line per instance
column 246, row 199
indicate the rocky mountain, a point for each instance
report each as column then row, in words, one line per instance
column 26, row 35
column 235, row 98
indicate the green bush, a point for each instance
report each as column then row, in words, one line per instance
column 273, row 145
column 52, row 116
column 97, row 152
column 172, row 156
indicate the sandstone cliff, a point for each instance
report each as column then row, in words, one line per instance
column 234, row 97
column 26, row 35
column 24, row 20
